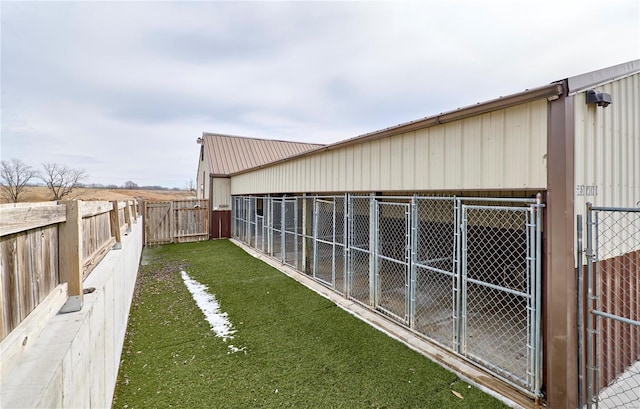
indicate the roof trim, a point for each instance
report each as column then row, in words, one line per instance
column 548, row 91
column 592, row 79
column 257, row 139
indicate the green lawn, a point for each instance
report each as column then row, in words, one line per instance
column 301, row 350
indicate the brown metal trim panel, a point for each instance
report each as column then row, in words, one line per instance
column 559, row 284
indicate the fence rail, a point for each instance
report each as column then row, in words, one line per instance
column 45, row 244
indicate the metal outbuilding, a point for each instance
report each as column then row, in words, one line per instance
column 221, row 155
column 476, row 210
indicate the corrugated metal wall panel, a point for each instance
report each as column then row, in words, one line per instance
column 607, row 152
column 504, row 149
column 202, row 180
column 607, row 158
column 221, row 194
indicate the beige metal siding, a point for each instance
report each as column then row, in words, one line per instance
column 504, row 149
column 202, row 179
column 607, row 149
column 221, row 194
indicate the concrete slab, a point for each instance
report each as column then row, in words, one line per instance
column 624, row 391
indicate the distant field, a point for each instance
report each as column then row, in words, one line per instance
column 42, row 194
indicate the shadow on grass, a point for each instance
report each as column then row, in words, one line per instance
column 301, row 351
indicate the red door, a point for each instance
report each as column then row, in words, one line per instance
column 220, row 224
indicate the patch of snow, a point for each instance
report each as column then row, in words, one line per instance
column 217, row 319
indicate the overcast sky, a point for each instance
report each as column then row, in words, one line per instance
column 124, row 89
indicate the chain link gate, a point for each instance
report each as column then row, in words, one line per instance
column 613, row 307
column 360, row 261
column 276, row 235
column 290, row 231
column 259, row 233
column 392, row 255
column 500, row 291
column 434, row 276
column 329, row 242
column 250, row 219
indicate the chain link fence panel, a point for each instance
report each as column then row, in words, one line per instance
column 613, row 318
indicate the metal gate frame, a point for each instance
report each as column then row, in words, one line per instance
column 337, row 241
column 602, row 324
column 529, row 290
column 388, row 254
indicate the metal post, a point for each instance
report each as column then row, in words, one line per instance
column 267, row 223
column 305, row 233
column 413, row 248
column 282, row 230
column 530, row 224
column 333, row 243
column 295, row 233
column 457, row 269
column 463, row 284
column 590, row 304
column 345, row 250
column 373, row 249
column 580, row 309
column 349, row 236
column 314, row 243
column 538, row 294
column 595, row 306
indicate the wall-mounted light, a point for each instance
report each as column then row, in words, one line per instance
column 602, row 99
column 199, row 140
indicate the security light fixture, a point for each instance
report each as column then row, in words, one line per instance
column 602, row 99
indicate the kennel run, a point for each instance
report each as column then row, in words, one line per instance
column 463, row 228
column 462, row 272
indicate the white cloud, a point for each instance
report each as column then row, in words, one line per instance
column 124, row 88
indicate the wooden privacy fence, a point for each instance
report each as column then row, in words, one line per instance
column 45, row 244
column 176, row 221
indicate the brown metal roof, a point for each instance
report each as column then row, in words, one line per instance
column 230, row 154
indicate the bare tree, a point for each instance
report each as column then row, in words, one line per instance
column 130, row 185
column 60, row 179
column 190, row 185
column 14, row 176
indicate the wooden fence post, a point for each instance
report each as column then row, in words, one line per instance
column 145, row 232
column 114, row 215
column 127, row 215
column 70, row 256
column 135, row 210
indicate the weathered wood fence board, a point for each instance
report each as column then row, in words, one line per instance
column 35, row 256
column 29, row 273
column 176, row 221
